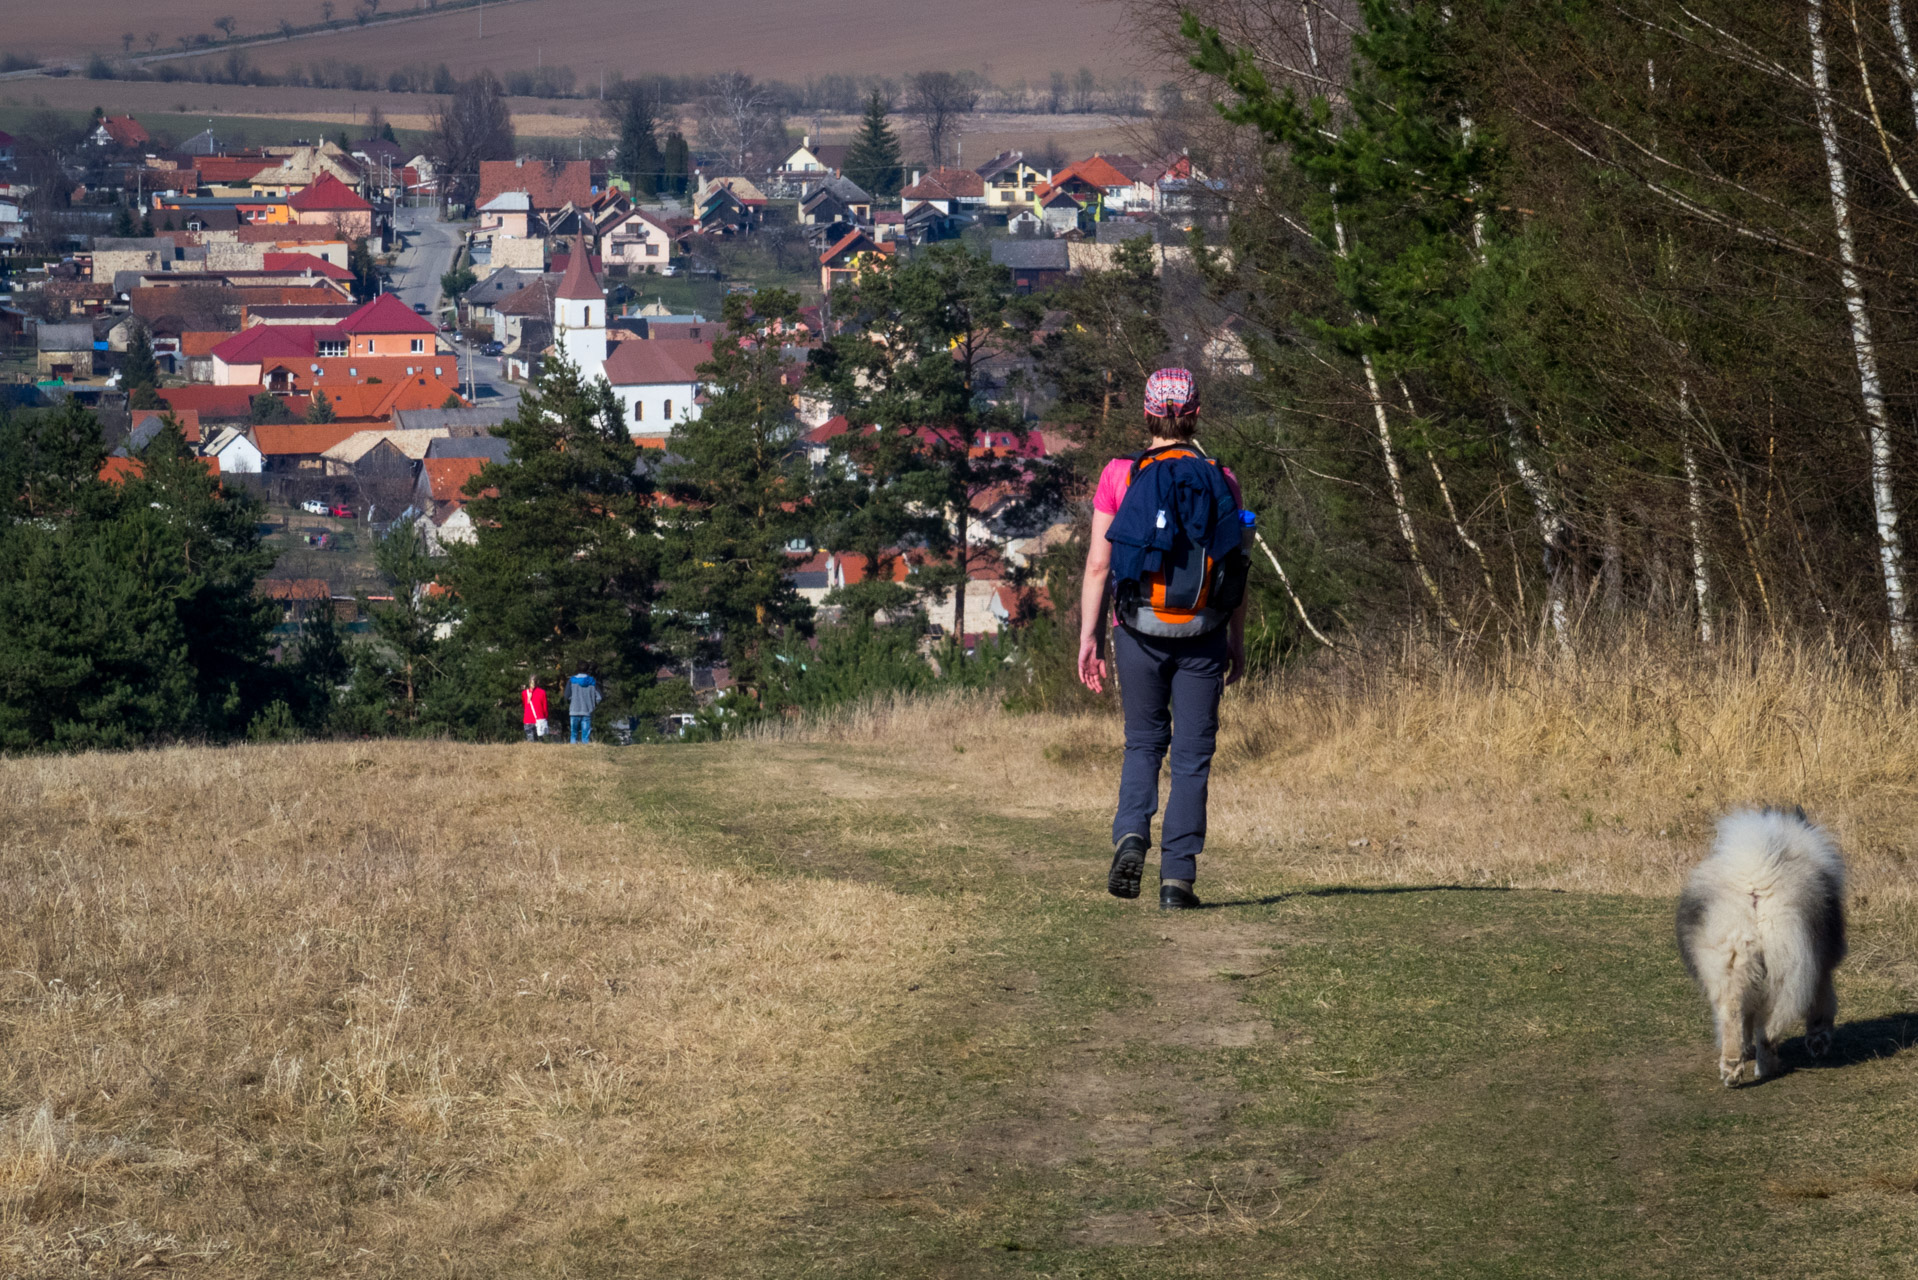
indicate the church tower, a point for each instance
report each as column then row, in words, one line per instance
column 579, row 315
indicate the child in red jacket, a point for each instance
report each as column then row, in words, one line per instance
column 532, row 703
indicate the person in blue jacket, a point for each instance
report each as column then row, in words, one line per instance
column 584, row 695
column 1169, row 685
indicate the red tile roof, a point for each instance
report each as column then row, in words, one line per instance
column 1096, row 172
column 302, row 439
column 636, row 362
column 386, row 314
column 850, row 242
column 119, row 470
column 547, row 186
column 947, row 184
column 328, row 194
column 224, row 402
column 340, row 371
column 445, row 477
column 228, row 171
column 201, row 344
column 265, row 342
column 364, row 402
column 126, row 131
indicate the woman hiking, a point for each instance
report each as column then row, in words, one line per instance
column 1166, row 560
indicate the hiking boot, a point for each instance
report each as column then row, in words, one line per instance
column 1176, row 897
column 1128, row 865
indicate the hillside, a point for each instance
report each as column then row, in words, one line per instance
column 852, row 1001
column 1007, row 39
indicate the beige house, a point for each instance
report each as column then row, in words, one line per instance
column 508, row 215
column 635, row 240
column 1012, row 184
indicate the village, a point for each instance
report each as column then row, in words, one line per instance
column 329, row 331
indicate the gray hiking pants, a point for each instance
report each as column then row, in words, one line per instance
column 1170, row 689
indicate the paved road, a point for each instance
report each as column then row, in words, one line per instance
column 428, row 250
column 428, row 247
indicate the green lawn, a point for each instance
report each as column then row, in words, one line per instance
column 1309, row 1080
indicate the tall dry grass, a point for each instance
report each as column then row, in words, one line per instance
column 376, row 1008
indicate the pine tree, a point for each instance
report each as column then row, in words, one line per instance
column 874, row 160
column 319, row 407
column 267, row 408
column 740, row 497
column 127, row 612
column 639, row 160
column 560, row 572
column 228, row 626
column 139, row 371
column 123, row 224
column 678, row 165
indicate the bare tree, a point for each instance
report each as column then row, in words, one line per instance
column 740, row 119
column 126, row 41
column 326, row 10
column 286, row 28
column 153, row 40
column 937, row 100
column 226, row 25
column 471, row 126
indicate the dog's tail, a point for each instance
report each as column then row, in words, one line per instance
column 1791, row 881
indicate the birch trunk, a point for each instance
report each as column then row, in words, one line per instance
column 1395, row 484
column 1552, row 528
column 1891, row 547
column 1906, row 66
column 1695, row 503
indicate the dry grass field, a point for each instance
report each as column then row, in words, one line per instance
column 982, row 135
column 1004, row 38
column 849, row 999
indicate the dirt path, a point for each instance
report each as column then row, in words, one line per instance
column 1316, row 1080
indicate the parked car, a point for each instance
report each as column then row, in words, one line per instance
column 493, row 349
column 313, row 507
column 344, row 513
column 669, row 269
column 420, row 307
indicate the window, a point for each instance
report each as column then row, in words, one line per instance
column 669, row 411
column 652, row 251
column 639, row 411
column 419, row 346
column 332, row 348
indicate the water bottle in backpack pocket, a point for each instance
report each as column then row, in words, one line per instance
column 1179, row 561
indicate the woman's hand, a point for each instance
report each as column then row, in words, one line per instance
column 1092, row 668
column 1235, row 646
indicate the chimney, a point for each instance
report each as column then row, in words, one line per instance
column 915, row 178
column 806, row 141
column 519, row 162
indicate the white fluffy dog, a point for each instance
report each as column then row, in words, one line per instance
column 1761, row 926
